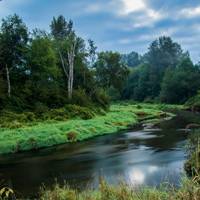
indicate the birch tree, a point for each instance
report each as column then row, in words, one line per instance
column 66, row 45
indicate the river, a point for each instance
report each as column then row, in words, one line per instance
column 139, row 157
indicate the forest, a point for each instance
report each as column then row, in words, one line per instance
column 41, row 70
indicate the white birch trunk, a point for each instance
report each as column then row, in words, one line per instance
column 8, row 81
column 71, row 55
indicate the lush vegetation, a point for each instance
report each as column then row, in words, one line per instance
column 165, row 74
column 21, row 136
column 189, row 190
column 194, row 103
column 40, row 70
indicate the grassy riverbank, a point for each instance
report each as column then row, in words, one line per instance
column 189, row 190
column 51, row 132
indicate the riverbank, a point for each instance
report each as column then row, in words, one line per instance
column 49, row 133
column 189, row 190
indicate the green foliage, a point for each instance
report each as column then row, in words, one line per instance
column 110, row 71
column 132, row 59
column 167, row 75
column 14, row 120
column 139, row 86
column 181, row 83
column 194, row 102
column 32, row 77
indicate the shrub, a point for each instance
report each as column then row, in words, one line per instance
column 194, row 102
column 101, row 98
column 77, row 111
column 40, row 108
column 81, row 98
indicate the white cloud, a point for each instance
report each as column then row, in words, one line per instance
column 190, row 12
column 130, row 6
column 139, row 11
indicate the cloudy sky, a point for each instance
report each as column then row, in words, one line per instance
column 121, row 25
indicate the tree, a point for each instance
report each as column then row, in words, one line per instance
column 43, row 70
column 13, row 40
column 132, row 59
column 138, row 86
column 164, row 53
column 180, row 83
column 110, row 71
column 67, row 45
column 92, row 52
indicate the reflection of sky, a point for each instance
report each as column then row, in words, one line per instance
column 154, row 174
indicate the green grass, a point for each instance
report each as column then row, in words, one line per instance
column 192, row 165
column 49, row 133
column 189, row 190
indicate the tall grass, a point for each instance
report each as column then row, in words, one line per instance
column 192, row 166
column 189, row 190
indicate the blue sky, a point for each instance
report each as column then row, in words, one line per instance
column 118, row 25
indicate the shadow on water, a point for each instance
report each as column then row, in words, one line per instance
column 138, row 157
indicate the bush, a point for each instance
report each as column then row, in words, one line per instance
column 101, row 98
column 40, row 108
column 194, row 102
column 77, row 111
column 81, row 98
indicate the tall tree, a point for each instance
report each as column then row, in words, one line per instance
column 66, row 43
column 110, row 71
column 13, row 39
column 164, row 52
column 92, row 52
column 132, row 59
column 43, row 70
column 180, row 83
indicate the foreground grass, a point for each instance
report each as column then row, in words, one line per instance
column 189, row 190
column 49, row 133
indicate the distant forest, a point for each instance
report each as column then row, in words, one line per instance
column 44, row 70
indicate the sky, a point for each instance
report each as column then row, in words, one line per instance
column 117, row 25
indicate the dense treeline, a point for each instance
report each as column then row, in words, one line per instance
column 165, row 73
column 41, row 70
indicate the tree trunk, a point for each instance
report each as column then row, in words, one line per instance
column 8, row 81
column 71, row 55
column 63, row 63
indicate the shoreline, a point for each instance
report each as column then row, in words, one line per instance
column 121, row 117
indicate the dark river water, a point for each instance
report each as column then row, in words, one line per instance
column 138, row 157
